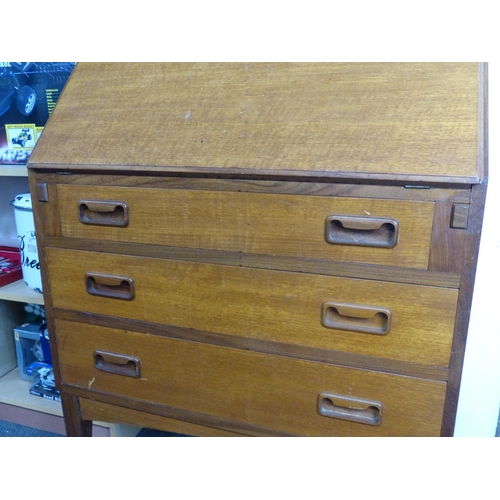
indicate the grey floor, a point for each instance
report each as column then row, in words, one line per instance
column 8, row 429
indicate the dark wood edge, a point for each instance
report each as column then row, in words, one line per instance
column 47, row 222
column 98, row 411
column 344, row 359
column 276, row 263
column 316, row 188
column 483, row 121
column 447, row 243
column 463, row 308
column 71, row 391
column 478, row 199
column 261, row 174
column 76, row 425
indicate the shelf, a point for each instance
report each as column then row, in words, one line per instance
column 13, row 171
column 20, row 292
column 15, row 391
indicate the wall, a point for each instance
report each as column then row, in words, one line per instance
column 479, row 401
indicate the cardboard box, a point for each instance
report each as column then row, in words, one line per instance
column 44, row 384
column 12, row 258
column 28, row 94
column 26, row 336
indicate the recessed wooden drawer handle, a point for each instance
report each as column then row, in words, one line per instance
column 348, row 408
column 117, row 364
column 113, row 287
column 362, row 231
column 103, row 213
column 363, row 319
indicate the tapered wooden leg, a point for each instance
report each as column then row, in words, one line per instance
column 75, row 425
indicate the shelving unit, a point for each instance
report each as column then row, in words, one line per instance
column 19, row 292
column 16, row 403
column 15, row 391
column 13, row 171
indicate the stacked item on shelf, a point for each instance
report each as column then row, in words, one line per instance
column 10, row 265
column 28, row 94
column 10, row 271
column 34, row 359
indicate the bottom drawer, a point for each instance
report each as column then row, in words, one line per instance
column 272, row 392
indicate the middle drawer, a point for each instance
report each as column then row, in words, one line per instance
column 396, row 321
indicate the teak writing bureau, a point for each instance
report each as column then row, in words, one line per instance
column 262, row 249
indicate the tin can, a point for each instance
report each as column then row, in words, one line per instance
column 25, row 225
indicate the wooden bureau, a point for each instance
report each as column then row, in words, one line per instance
column 262, row 249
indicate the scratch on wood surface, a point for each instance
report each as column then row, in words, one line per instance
column 91, row 382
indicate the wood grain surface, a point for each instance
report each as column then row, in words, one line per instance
column 254, row 303
column 389, row 119
column 390, row 190
column 105, row 412
column 220, row 289
column 268, row 391
column 283, row 225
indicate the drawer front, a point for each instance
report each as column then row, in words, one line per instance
column 273, row 392
column 388, row 320
column 385, row 232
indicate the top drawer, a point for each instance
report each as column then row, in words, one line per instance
column 384, row 232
